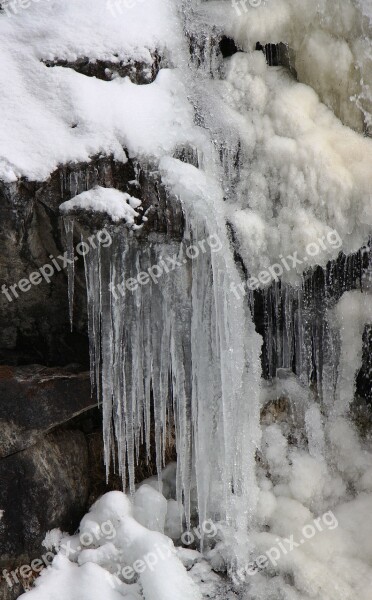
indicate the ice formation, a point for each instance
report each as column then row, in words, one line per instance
column 178, row 330
column 353, row 312
column 301, row 171
column 284, row 171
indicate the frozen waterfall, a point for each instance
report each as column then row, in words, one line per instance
column 181, row 346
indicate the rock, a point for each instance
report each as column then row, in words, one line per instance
column 276, row 411
column 34, row 325
column 43, row 487
column 36, row 399
column 361, row 415
column 8, row 592
column 138, row 72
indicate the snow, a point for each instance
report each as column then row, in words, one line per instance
column 119, row 547
column 150, row 508
column 54, row 116
column 306, row 493
column 325, row 479
column 66, row 581
column 301, row 171
column 316, row 33
column 132, row 32
column 310, row 173
column 336, row 561
column 117, row 205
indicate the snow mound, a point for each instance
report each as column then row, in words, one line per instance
column 119, row 206
column 114, row 556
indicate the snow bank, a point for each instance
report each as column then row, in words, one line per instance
column 65, row 580
column 52, row 116
column 97, row 29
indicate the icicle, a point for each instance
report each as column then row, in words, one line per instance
column 92, row 277
column 69, row 228
column 226, row 370
column 288, row 337
column 188, row 329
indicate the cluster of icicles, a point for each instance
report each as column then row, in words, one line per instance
column 181, row 356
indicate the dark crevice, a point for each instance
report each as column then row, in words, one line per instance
column 278, row 55
column 228, row 47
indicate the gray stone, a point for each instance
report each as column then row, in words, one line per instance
column 35, row 399
column 43, row 487
column 138, row 72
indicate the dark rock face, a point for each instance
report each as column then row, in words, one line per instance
column 42, row 487
column 45, row 471
column 228, row 47
column 36, row 399
column 34, row 325
column 10, row 592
